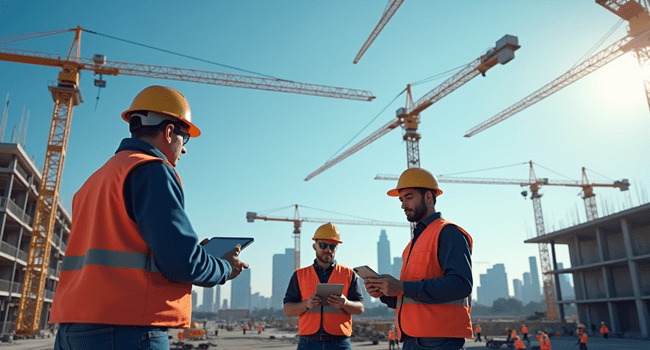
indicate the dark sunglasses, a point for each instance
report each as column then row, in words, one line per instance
column 184, row 135
column 324, row 245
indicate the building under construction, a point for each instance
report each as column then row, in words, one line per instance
column 19, row 183
column 610, row 265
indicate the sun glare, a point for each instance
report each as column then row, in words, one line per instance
column 622, row 80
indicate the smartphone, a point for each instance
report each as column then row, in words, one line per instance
column 218, row 246
column 366, row 272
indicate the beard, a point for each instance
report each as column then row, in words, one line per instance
column 325, row 258
column 418, row 212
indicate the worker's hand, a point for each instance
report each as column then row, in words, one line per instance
column 337, row 301
column 204, row 241
column 371, row 288
column 313, row 301
column 233, row 258
column 387, row 286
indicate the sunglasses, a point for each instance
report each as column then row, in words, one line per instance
column 324, row 245
column 184, row 135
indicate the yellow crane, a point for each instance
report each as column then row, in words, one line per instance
column 297, row 223
column 388, row 14
column 409, row 117
column 534, row 184
column 636, row 41
column 66, row 95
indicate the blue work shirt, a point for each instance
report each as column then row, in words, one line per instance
column 154, row 200
column 455, row 258
column 294, row 295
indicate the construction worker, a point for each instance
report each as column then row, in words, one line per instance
column 524, row 332
column 582, row 340
column 544, row 341
column 391, row 340
column 511, row 336
column 604, row 330
column 132, row 256
column 477, row 330
column 519, row 344
column 431, row 297
column 324, row 324
column 259, row 329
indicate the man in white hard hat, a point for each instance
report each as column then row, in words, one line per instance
column 432, row 294
column 324, row 324
column 132, row 256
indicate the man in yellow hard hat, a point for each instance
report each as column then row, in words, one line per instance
column 132, row 256
column 432, row 294
column 324, row 324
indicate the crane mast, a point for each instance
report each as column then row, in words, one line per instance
column 66, row 96
column 409, row 117
column 637, row 41
column 297, row 223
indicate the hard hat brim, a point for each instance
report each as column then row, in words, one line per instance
column 395, row 192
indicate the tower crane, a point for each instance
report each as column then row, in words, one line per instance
column 534, row 184
column 297, row 223
column 66, row 95
column 388, row 14
column 637, row 41
column 409, row 117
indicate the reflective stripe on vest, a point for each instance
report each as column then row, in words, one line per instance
column 110, row 258
column 417, row 319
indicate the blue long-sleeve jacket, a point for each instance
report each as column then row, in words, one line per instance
column 455, row 258
column 154, row 199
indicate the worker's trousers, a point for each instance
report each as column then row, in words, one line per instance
column 433, row 343
column 80, row 336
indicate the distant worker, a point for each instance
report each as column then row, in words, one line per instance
column 582, row 340
column 512, row 336
column 477, row 330
column 431, row 297
column 245, row 328
column 133, row 256
column 391, row 340
column 524, row 332
column 519, row 344
column 259, row 329
column 544, row 341
column 604, row 330
column 324, row 324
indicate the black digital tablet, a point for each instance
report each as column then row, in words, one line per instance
column 218, row 246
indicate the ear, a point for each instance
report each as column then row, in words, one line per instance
column 314, row 245
column 168, row 133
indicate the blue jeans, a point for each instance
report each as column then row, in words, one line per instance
column 83, row 336
column 433, row 343
column 306, row 344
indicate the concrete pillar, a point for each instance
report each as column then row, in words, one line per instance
column 641, row 309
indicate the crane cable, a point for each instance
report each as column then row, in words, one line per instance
column 183, row 55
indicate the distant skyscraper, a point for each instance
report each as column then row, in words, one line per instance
column 224, row 305
column 565, row 284
column 194, row 300
column 527, row 289
column 383, row 254
column 217, row 298
column 240, row 291
column 494, row 285
column 534, row 276
column 208, row 299
column 282, row 271
column 518, row 288
column 397, row 267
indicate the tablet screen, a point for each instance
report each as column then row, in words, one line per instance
column 218, row 246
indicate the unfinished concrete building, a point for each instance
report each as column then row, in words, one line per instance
column 19, row 183
column 610, row 265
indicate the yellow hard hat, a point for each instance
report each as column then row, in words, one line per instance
column 165, row 100
column 328, row 232
column 416, row 177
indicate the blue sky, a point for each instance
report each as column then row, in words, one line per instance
column 258, row 146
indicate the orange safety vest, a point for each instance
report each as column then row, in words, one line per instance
column 583, row 338
column 604, row 329
column 109, row 275
column 519, row 344
column 545, row 342
column 478, row 329
column 391, row 335
column 335, row 321
column 524, row 330
column 513, row 334
column 430, row 320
